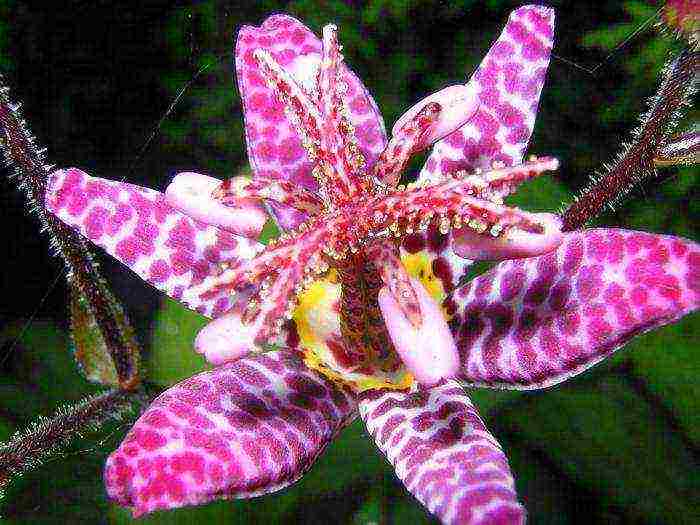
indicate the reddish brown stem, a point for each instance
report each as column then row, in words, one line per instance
column 635, row 164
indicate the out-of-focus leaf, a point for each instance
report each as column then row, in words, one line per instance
column 615, row 444
column 6, row 430
column 666, row 360
column 41, row 367
column 89, row 347
column 540, row 488
column 351, row 457
column 371, row 510
column 172, row 357
column 544, row 193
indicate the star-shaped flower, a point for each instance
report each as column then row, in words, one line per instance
column 361, row 293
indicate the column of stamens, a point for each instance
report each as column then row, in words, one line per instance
column 385, row 257
column 337, row 134
column 409, row 211
column 272, row 305
column 303, row 113
column 499, row 182
column 231, row 191
column 402, row 145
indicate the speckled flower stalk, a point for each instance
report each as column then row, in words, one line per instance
column 361, row 292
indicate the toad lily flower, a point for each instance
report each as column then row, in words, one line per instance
column 360, row 293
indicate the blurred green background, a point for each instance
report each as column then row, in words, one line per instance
column 616, row 445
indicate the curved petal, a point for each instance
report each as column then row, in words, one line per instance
column 274, row 149
column 443, row 453
column 509, row 81
column 192, row 194
column 457, row 103
column 533, row 323
column 244, row 429
column 136, row 225
column 514, row 244
column 426, row 348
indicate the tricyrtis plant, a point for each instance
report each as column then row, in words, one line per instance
column 359, row 306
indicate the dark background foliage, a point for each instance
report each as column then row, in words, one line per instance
column 617, row 445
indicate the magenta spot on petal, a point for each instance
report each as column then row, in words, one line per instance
column 149, row 439
column 95, row 222
column 77, row 202
column 509, row 115
column 502, row 49
column 533, row 50
column 290, row 150
column 298, row 37
column 589, row 282
column 456, row 139
column 159, row 271
column 359, row 105
column 511, row 284
column 487, row 125
column 518, row 134
column 127, row 251
column 266, row 151
column 518, row 31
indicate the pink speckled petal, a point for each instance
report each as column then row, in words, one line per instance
column 428, row 350
column 443, row 453
column 509, row 82
column 273, row 146
column 244, row 429
column 533, row 323
column 191, row 193
column 137, row 226
column 514, row 244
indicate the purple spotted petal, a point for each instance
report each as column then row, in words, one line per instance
column 136, row 225
column 443, row 453
column 509, row 81
column 244, row 429
column 274, row 148
column 536, row 322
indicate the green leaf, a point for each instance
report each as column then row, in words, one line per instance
column 351, row 457
column 666, row 360
column 371, row 509
column 172, row 357
column 41, row 369
column 607, row 438
column 544, row 193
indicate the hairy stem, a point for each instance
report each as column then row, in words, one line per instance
column 48, row 437
column 635, row 163
column 31, row 171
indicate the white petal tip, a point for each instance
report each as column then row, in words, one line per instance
column 458, row 103
column 191, row 193
column 223, row 340
column 514, row 244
